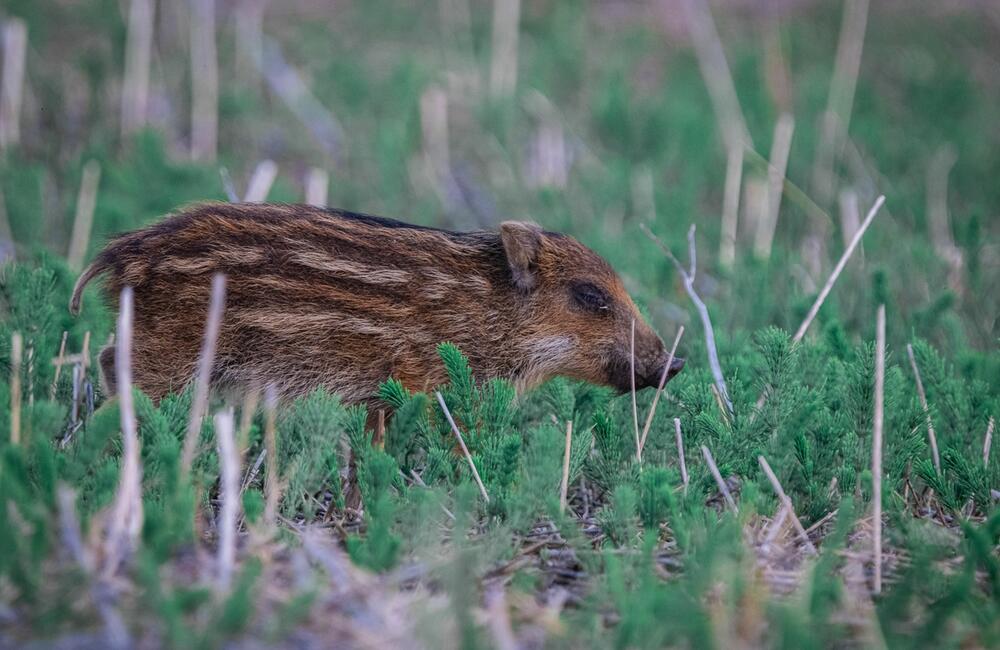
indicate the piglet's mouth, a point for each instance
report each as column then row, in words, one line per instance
column 619, row 375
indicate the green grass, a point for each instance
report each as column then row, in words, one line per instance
column 636, row 560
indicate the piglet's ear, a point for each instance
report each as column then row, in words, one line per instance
column 522, row 242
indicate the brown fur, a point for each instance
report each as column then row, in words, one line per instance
column 327, row 298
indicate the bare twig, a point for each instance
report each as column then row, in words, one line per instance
column 204, row 81
column 58, row 363
column 877, row 444
column 841, row 263
column 564, row 485
column 199, row 399
column 680, row 453
column 731, row 206
column 659, row 388
column 715, row 71
column 837, row 116
column 248, row 410
column 937, row 213
column 16, row 350
column 718, row 478
column 780, row 148
column 227, row 185
column 927, row 413
column 988, row 442
column 229, row 495
column 461, row 442
column 84, row 219
column 316, row 187
column 499, row 619
column 503, row 62
column 688, row 277
column 125, row 522
column 15, row 45
column 635, row 408
column 260, row 183
column 787, row 503
column 138, row 53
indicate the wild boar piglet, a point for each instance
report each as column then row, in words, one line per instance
column 322, row 297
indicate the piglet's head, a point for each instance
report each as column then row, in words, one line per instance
column 575, row 316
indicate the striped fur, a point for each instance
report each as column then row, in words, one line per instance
column 323, row 297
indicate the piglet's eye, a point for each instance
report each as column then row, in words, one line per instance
column 590, row 297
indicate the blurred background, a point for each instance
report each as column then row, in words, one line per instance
column 770, row 125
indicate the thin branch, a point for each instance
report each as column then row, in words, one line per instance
column 706, row 321
column 659, row 388
column 199, row 399
column 229, row 495
column 877, row 444
column 718, row 479
column 927, row 413
column 465, row 450
column 825, row 291
column 564, row 485
column 787, row 503
column 680, row 453
column 15, row 46
column 635, row 408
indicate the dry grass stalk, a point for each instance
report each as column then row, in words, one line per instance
column 247, row 411
column 498, row 619
column 249, row 17
column 688, row 276
column 719, row 481
column 850, row 215
column 84, row 218
column 317, row 183
column 69, row 530
column 16, row 350
column 434, row 131
column 125, row 521
column 272, row 485
column 204, row 81
column 635, row 407
column 877, row 445
column 199, row 399
column 837, row 116
column 260, row 182
column 680, row 453
column 564, row 484
column 780, row 148
column 503, row 64
column 841, row 263
column 58, row 363
column 659, row 388
column 786, row 503
column 714, row 69
column 15, row 46
column 731, row 206
column 229, row 495
column 927, row 413
column 940, row 219
column 138, row 53
column 988, row 442
column 461, row 442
